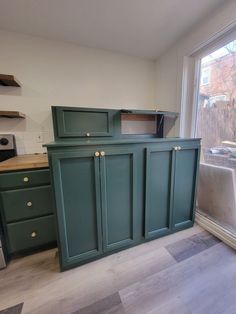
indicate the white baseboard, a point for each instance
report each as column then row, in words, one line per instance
column 220, row 232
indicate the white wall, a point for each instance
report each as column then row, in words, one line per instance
column 57, row 73
column 169, row 67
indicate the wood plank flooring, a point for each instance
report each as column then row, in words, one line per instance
column 187, row 272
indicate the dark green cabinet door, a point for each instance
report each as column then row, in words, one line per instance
column 83, row 122
column 158, row 192
column 186, row 163
column 118, row 187
column 77, row 188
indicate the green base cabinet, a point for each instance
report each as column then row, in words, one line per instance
column 111, row 197
column 77, row 189
column 89, row 190
column 171, row 174
column 159, row 191
column 118, row 186
column 26, row 210
column 185, row 173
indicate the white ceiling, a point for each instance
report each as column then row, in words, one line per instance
column 144, row 28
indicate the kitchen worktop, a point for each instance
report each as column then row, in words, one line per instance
column 29, row 161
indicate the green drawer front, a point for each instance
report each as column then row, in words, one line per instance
column 31, row 233
column 27, row 203
column 20, row 179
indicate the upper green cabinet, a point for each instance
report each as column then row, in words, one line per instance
column 70, row 122
column 89, row 186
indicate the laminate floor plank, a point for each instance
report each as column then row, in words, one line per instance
column 201, row 283
column 36, row 280
column 193, row 245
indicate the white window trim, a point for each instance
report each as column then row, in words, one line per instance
column 191, row 78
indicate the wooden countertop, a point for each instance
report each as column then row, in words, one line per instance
column 25, row 162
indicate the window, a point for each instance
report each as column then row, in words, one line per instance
column 205, row 75
column 216, row 110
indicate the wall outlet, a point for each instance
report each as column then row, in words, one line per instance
column 39, row 138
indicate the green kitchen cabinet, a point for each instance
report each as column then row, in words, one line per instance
column 26, row 209
column 118, row 183
column 88, row 187
column 114, row 187
column 82, row 122
column 185, row 174
column 158, row 192
column 77, row 188
column 171, row 173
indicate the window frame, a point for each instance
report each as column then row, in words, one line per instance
column 191, row 78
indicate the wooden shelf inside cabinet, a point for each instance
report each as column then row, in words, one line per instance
column 12, row 114
column 8, row 80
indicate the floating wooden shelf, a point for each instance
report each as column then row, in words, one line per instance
column 12, row 114
column 8, row 80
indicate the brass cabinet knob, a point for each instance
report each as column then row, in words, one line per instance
column 26, row 179
column 102, row 153
column 87, row 134
column 97, row 154
column 29, row 204
column 34, row 234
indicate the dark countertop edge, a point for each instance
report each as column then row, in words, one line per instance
column 117, row 141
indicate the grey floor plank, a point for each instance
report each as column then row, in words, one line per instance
column 110, row 304
column 193, row 245
column 201, row 282
column 16, row 309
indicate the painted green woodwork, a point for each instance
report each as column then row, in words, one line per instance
column 170, row 188
column 25, row 195
column 186, row 161
column 82, row 122
column 31, row 233
column 12, row 180
column 118, row 182
column 100, row 203
column 27, row 203
column 77, row 188
column 113, row 191
column 158, row 191
column 88, row 191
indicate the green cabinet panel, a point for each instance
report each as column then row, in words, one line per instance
column 22, row 179
column 118, row 183
column 27, row 203
column 82, row 122
column 77, row 189
column 31, row 233
column 158, row 191
column 186, row 163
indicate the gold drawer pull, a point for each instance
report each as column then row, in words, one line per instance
column 97, row 154
column 29, row 204
column 102, row 153
column 34, row 234
column 26, row 179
